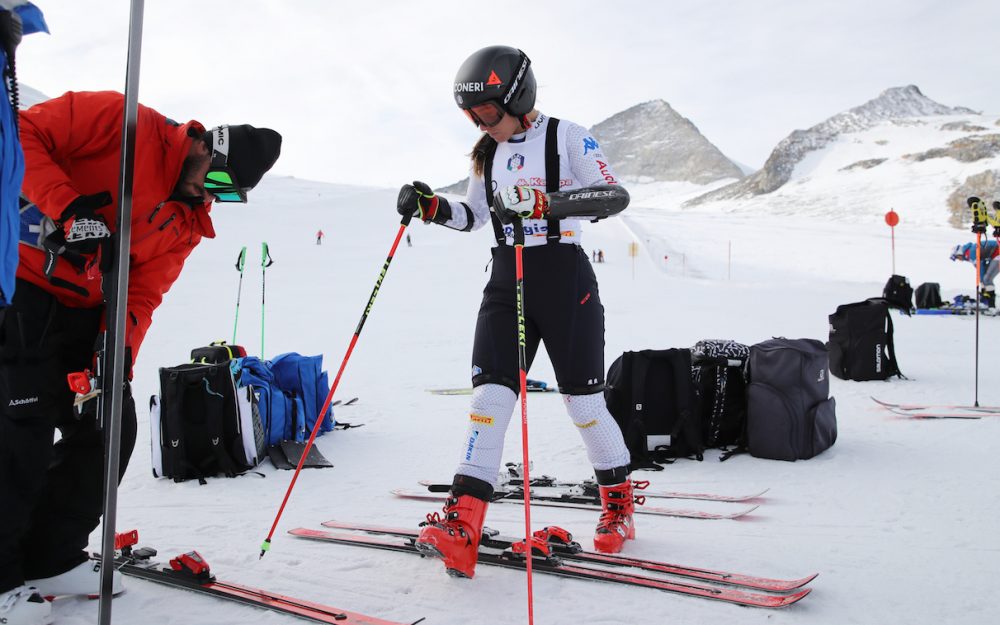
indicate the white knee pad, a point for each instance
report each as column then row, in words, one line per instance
column 602, row 436
column 492, row 406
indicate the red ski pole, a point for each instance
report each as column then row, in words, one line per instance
column 266, row 545
column 522, row 363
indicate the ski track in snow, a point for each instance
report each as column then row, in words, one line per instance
column 887, row 516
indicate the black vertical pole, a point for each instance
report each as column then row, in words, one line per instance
column 116, row 303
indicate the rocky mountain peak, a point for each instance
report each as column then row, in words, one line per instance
column 652, row 141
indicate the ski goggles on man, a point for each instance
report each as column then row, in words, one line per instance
column 486, row 115
column 220, row 180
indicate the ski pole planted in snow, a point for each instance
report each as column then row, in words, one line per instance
column 266, row 545
column 979, row 220
column 522, row 363
column 265, row 262
column 116, row 302
column 240, row 263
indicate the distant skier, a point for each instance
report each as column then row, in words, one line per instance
column 593, row 254
column 319, row 237
column 52, row 493
column 495, row 89
column 408, row 242
column 600, row 256
column 989, row 266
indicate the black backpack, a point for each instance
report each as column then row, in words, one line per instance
column 861, row 345
column 202, row 425
column 929, row 295
column 790, row 415
column 217, row 351
column 719, row 371
column 652, row 397
column 899, row 294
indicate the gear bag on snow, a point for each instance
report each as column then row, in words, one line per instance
column 898, row 293
column 201, row 425
column 790, row 415
column 652, row 397
column 928, row 295
column 719, row 369
column 217, row 351
column 290, row 390
column 861, row 345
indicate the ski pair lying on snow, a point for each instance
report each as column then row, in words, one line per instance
column 590, row 489
column 555, row 553
column 190, row 572
column 939, row 411
column 577, row 502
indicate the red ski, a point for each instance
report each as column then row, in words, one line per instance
column 561, row 544
column 513, row 556
column 579, row 504
column 190, row 572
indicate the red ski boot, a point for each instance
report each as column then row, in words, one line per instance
column 455, row 537
column 616, row 525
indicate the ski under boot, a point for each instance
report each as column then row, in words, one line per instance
column 83, row 580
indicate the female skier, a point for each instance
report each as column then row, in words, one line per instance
column 552, row 175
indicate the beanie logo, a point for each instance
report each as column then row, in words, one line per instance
column 494, row 79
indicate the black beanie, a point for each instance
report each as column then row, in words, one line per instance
column 252, row 151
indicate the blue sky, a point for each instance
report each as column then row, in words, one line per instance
column 362, row 91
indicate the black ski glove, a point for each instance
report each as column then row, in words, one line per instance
column 418, row 198
column 86, row 230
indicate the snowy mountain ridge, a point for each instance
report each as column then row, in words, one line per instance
column 895, row 104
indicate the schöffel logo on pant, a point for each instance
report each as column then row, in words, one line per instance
column 23, row 402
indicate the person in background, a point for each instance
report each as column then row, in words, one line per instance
column 319, row 237
column 988, row 267
column 52, row 493
column 495, row 89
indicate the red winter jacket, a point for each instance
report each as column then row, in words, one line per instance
column 72, row 147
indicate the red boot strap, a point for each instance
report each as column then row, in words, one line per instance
column 640, row 484
column 639, row 500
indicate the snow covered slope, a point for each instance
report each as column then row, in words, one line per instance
column 899, row 517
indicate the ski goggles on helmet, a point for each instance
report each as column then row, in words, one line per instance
column 220, row 180
column 485, row 115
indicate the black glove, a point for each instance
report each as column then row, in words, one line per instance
column 85, row 230
column 419, row 199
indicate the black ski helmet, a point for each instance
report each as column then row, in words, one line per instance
column 498, row 73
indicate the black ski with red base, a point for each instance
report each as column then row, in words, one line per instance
column 497, row 551
column 190, row 572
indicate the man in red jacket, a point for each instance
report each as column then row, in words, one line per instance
column 51, row 494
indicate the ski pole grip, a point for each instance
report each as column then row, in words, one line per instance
column 518, row 231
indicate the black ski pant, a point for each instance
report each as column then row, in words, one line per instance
column 562, row 308
column 51, row 492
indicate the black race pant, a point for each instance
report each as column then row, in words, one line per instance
column 562, row 308
column 51, row 493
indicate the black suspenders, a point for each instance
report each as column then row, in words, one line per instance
column 551, row 182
